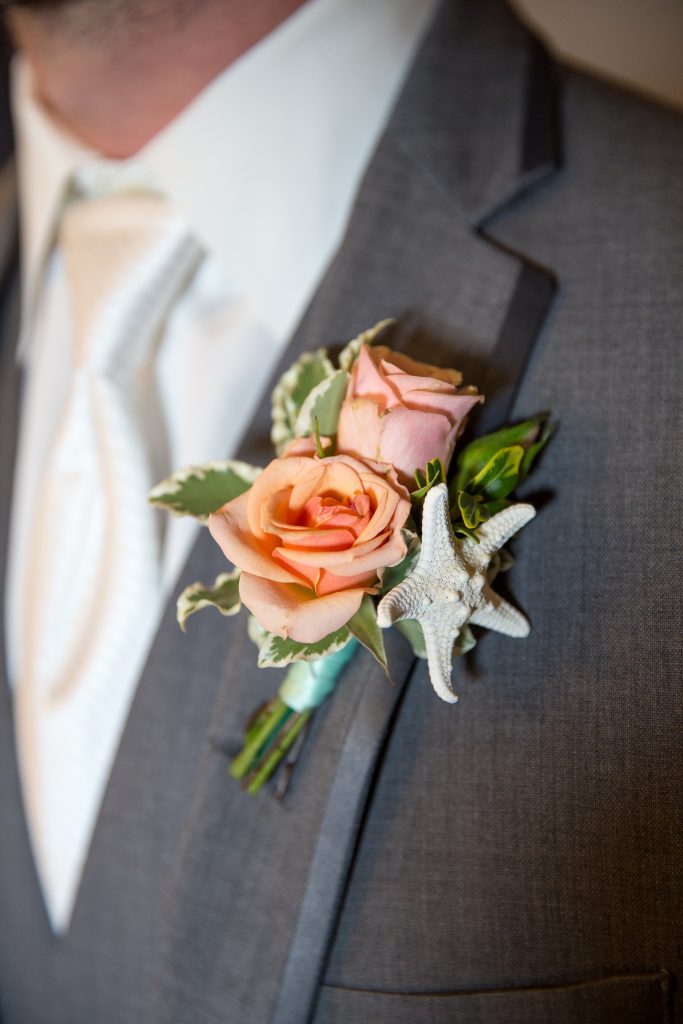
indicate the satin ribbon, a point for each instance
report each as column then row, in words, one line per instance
column 308, row 683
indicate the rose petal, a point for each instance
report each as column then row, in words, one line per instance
column 305, row 446
column 358, row 430
column 403, row 383
column 331, row 477
column 274, row 512
column 304, row 574
column 330, row 583
column 277, row 476
column 455, row 407
column 367, row 380
column 230, row 529
column 380, row 353
column 295, row 612
column 328, row 559
column 386, row 501
column 317, row 540
column 410, row 439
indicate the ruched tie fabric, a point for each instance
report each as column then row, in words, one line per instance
column 94, row 591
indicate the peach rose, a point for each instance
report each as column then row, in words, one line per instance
column 402, row 412
column 310, row 536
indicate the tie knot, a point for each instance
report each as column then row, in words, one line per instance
column 126, row 258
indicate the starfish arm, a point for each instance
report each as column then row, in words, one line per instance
column 497, row 614
column 405, row 601
column 496, row 532
column 439, row 645
column 438, row 541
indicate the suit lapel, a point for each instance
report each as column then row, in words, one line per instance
column 258, row 885
column 254, row 879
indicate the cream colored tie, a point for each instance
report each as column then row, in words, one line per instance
column 93, row 593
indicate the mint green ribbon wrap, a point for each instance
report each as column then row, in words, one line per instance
column 308, row 683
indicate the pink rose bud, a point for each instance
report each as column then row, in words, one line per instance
column 311, row 536
column 402, row 412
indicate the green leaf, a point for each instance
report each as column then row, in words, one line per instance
column 323, row 404
column 493, row 507
column 276, row 652
column 200, row 490
column 472, row 510
column 364, row 627
column 465, row 641
column 349, row 354
column 460, row 530
column 434, row 474
column 500, row 475
column 224, row 596
column 534, row 449
column 320, row 451
column 412, row 631
column 475, row 455
column 255, row 631
column 292, row 390
column 395, row 574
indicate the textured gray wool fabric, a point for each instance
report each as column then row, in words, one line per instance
column 516, row 858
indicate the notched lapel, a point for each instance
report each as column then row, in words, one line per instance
column 257, row 886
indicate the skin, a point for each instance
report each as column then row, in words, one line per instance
column 115, row 72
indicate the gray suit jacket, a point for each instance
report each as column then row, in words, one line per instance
column 515, row 858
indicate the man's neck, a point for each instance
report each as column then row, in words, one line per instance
column 115, row 88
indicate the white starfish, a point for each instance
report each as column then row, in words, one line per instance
column 448, row 586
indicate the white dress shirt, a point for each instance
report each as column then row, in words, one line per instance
column 263, row 165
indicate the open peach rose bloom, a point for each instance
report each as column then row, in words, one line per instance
column 310, row 537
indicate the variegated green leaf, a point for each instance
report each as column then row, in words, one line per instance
column 200, row 490
column 323, row 404
column 349, row 353
column 224, row 596
column 364, row 627
column 276, row 652
column 292, row 390
column 460, row 530
column 471, row 509
column 255, row 631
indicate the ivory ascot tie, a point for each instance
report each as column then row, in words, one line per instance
column 92, row 603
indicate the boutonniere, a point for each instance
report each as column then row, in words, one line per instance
column 363, row 521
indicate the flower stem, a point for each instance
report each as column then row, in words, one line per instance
column 260, row 737
column 266, row 768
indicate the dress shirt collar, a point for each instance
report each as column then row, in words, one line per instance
column 263, row 164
